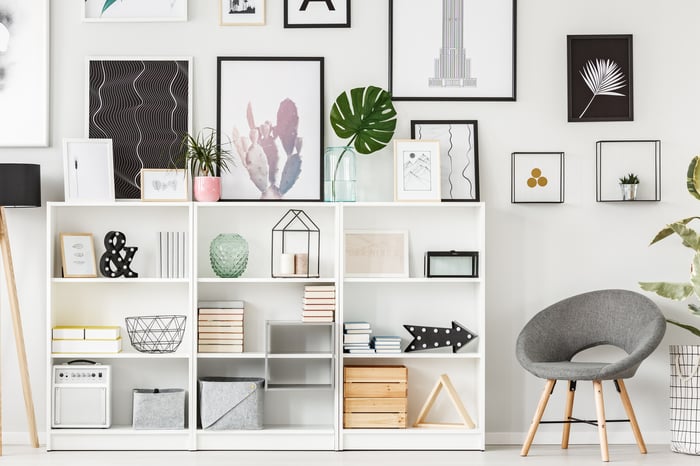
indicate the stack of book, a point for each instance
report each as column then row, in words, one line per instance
column 356, row 338
column 318, row 304
column 171, row 254
column 220, row 328
column 386, row 344
column 69, row 339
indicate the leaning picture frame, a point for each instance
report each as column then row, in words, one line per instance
column 134, row 10
column 163, row 184
column 78, row 255
column 316, row 14
column 459, row 156
column 416, row 170
column 241, row 12
column 452, row 49
column 271, row 165
column 88, row 172
column 376, row 253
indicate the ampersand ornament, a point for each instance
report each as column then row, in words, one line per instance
column 116, row 261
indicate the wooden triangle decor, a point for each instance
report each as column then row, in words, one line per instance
column 444, row 381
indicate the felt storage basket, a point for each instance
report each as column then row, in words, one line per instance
column 231, row 402
column 159, row 409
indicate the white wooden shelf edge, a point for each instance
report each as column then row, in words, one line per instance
column 266, row 280
column 129, row 281
column 411, row 280
column 244, row 355
column 273, row 429
column 413, row 356
column 124, row 355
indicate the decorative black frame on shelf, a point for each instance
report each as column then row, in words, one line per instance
column 469, row 191
column 585, row 51
column 296, row 221
column 513, row 199
column 599, row 170
column 431, row 256
column 345, row 24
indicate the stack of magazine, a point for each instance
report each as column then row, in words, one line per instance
column 356, row 338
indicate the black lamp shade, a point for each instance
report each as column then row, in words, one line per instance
column 20, row 185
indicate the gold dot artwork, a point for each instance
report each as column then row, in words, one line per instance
column 537, row 179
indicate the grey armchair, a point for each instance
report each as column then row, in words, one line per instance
column 550, row 340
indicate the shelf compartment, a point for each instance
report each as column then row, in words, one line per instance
column 299, row 372
column 301, row 338
column 118, row 438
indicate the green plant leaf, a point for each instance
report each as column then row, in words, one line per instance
column 675, row 291
column 108, row 3
column 690, row 328
column 694, row 309
column 367, row 116
column 668, row 231
column 688, row 235
column 693, row 181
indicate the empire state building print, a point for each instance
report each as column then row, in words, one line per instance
column 452, row 67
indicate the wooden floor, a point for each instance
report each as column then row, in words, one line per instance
column 540, row 455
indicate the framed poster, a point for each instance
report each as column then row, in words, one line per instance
column 459, row 156
column 537, row 177
column 416, row 170
column 143, row 105
column 599, row 76
column 376, row 253
column 134, row 10
column 24, row 73
column 78, row 255
column 88, row 170
column 316, row 13
column 452, row 49
column 253, row 99
column 241, row 12
column 164, row 184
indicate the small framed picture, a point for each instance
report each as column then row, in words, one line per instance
column 242, row 12
column 459, row 156
column 317, row 14
column 451, row 264
column 372, row 253
column 628, row 170
column 88, row 169
column 159, row 184
column 78, row 255
column 416, row 170
column 599, row 75
column 537, row 177
column 134, row 10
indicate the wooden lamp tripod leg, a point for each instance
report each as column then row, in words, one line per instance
column 17, row 327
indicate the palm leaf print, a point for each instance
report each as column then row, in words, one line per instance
column 603, row 77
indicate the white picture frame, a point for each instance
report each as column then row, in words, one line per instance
column 78, row 255
column 376, row 253
column 88, row 168
column 241, row 12
column 94, row 11
column 164, row 184
column 417, row 170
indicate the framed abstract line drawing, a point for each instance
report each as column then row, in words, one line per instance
column 452, row 49
column 376, row 253
column 281, row 165
column 537, row 177
column 143, row 105
column 134, row 10
column 599, row 76
column 24, row 73
column 241, row 12
column 316, row 13
column 459, row 156
column 416, row 170
column 88, row 170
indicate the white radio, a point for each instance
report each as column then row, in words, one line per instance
column 80, row 395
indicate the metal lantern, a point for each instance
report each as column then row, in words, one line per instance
column 296, row 243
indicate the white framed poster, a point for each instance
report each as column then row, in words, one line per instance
column 416, row 170
column 164, row 184
column 376, row 253
column 78, row 255
column 88, row 170
column 134, row 10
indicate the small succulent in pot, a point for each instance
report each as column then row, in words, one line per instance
column 628, row 186
column 631, row 178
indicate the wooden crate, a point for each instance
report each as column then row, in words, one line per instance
column 374, row 421
column 374, row 397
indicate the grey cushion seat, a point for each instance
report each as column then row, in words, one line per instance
column 625, row 319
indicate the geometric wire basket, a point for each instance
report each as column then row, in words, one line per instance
column 156, row 334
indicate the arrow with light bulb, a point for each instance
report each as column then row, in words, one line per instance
column 425, row 338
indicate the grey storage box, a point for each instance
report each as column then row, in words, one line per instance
column 231, row 402
column 159, row 409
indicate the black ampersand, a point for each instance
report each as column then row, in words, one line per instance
column 116, row 261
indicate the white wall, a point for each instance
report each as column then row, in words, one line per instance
column 537, row 254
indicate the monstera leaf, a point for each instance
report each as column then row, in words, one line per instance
column 108, row 3
column 366, row 116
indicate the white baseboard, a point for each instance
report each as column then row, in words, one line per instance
column 583, row 438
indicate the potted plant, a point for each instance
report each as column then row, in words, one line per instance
column 628, row 186
column 206, row 160
column 365, row 116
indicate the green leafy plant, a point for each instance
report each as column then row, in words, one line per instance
column 203, row 155
column 629, row 179
column 367, row 117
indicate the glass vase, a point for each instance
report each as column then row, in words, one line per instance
column 228, row 255
column 339, row 174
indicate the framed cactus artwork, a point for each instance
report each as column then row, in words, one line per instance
column 270, row 114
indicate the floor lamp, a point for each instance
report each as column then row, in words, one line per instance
column 20, row 186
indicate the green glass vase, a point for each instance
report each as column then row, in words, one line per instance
column 228, row 255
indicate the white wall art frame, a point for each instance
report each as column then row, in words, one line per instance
column 416, row 170
column 88, row 170
column 241, row 12
column 134, row 10
column 78, row 255
column 163, row 184
column 376, row 253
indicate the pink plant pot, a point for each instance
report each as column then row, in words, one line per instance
column 207, row 188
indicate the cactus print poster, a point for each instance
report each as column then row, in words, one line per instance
column 270, row 117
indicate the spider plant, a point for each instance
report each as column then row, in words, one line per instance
column 603, row 77
column 203, row 155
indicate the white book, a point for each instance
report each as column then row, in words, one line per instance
column 234, row 304
column 183, row 255
column 358, row 330
column 86, row 346
column 356, row 338
column 102, row 333
column 220, row 348
column 159, row 271
column 68, row 333
column 356, row 325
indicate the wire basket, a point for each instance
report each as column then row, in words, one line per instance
column 156, row 334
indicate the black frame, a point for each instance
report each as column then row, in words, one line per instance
column 512, row 177
column 287, row 25
column 320, row 61
column 415, row 123
column 429, row 255
column 599, row 169
column 510, row 98
column 580, row 49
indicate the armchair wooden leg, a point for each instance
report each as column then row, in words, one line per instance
column 567, row 414
column 549, row 386
column 600, row 411
column 630, row 414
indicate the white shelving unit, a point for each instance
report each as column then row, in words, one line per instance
column 302, row 363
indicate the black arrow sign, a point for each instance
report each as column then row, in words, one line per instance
column 425, row 338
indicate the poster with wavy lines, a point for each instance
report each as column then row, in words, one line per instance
column 143, row 106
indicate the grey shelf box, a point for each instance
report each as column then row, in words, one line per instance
column 231, row 402
column 159, row 409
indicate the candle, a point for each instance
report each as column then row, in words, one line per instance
column 287, row 264
column 301, row 263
